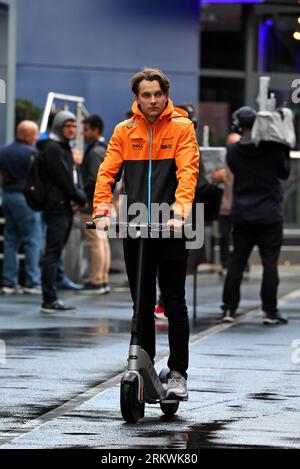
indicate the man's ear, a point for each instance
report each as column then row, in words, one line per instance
column 137, row 101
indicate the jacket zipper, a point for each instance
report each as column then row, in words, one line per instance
column 149, row 174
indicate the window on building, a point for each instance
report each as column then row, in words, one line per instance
column 219, row 97
column 222, row 37
column 277, row 49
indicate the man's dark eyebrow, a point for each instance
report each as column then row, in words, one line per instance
column 144, row 93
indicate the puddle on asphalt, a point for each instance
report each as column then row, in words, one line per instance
column 265, row 396
column 198, row 436
column 204, row 435
column 46, row 338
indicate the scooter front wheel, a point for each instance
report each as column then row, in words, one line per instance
column 169, row 409
column 131, row 408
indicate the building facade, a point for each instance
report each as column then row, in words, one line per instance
column 91, row 48
column 240, row 42
column 213, row 51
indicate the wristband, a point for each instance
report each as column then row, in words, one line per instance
column 104, row 215
column 177, row 216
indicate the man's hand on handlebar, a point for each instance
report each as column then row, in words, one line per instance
column 174, row 224
column 102, row 225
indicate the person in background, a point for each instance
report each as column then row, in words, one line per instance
column 65, row 196
column 256, row 214
column 99, row 248
column 191, row 112
column 63, row 282
column 22, row 224
column 225, row 225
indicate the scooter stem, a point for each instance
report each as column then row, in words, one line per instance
column 137, row 315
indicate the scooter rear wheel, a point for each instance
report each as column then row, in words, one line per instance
column 169, row 409
column 131, row 408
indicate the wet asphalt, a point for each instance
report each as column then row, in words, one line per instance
column 243, row 380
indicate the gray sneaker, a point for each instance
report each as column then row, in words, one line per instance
column 34, row 290
column 12, row 290
column 56, row 307
column 275, row 318
column 177, row 387
column 228, row 316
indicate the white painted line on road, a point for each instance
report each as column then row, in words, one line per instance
column 253, row 312
column 67, row 407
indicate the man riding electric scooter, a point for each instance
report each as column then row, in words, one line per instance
column 158, row 152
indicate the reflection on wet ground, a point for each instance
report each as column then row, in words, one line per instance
column 72, row 335
column 202, row 436
column 265, row 396
column 196, row 437
column 45, row 338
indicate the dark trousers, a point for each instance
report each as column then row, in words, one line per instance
column 268, row 238
column 168, row 258
column 225, row 227
column 57, row 233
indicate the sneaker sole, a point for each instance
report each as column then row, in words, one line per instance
column 91, row 292
column 12, row 292
column 174, row 397
column 49, row 311
column 271, row 322
column 33, row 292
column 228, row 319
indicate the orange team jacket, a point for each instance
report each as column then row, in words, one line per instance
column 160, row 162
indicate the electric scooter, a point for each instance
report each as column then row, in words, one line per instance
column 141, row 384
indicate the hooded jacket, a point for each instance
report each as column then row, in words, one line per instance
column 257, row 191
column 160, row 162
column 61, row 176
column 58, row 173
column 93, row 157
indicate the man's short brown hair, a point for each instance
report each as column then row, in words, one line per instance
column 150, row 74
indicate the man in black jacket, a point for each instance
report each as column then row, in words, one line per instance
column 99, row 249
column 64, row 197
column 256, row 214
column 22, row 225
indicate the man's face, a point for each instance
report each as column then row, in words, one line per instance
column 89, row 133
column 69, row 130
column 151, row 99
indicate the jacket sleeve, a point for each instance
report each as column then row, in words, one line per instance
column 284, row 167
column 107, row 174
column 228, row 159
column 95, row 158
column 60, row 175
column 187, row 164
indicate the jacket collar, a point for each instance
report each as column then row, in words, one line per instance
column 169, row 111
column 64, row 143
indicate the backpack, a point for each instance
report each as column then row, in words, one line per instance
column 36, row 189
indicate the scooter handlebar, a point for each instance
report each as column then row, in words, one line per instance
column 90, row 225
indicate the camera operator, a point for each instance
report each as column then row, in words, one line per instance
column 256, row 214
